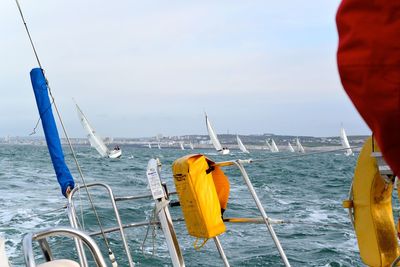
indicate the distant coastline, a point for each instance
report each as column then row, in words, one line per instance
column 252, row 142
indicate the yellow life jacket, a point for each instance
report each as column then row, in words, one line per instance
column 203, row 189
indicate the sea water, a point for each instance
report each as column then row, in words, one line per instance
column 306, row 191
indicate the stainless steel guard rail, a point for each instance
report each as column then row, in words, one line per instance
column 239, row 163
column 74, row 222
column 65, row 232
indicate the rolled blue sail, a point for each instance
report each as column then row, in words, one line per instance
column 40, row 89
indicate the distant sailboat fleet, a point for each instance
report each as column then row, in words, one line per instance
column 181, row 145
column 270, row 143
column 293, row 146
column 274, row 148
column 97, row 142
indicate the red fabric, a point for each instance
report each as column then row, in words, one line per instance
column 369, row 65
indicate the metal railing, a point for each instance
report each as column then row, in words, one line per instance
column 64, row 232
column 74, row 222
column 166, row 220
column 239, row 164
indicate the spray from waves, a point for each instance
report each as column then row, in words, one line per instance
column 317, row 216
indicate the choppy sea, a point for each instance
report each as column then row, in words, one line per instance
column 304, row 190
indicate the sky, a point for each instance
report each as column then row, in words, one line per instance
column 142, row 68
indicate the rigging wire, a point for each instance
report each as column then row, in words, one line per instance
column 29, row 35
column 40, row 118
column 303, row 155
column 64, row 130
column 36, row 55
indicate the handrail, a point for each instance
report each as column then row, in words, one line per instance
column 267, row 221
column 255, row 220
column 72, row 215
column 62, row 231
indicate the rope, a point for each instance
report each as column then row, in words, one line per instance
column 40, row 118
column 65, row 131
column 198, row 247
column 151, row 222
column 310, row 223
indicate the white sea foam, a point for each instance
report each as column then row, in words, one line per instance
column 316, row 215
column 27, row 195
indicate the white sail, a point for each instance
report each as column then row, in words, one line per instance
column 182, row 147
column 213, row 136
column 241, row 146
column 291, row 149
column 274, row 146
column 94, row 139
column 300, row 148
column 159, row 146
column 269, row 146
column 345, row 142
column 149, row 145
column 214, row 139
column 191, row 146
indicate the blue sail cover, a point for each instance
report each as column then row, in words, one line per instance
column 39, row 85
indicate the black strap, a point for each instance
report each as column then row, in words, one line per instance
column 210, row 169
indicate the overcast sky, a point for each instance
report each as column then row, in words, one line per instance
column 140, row 68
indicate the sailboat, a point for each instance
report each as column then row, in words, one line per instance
column 214, row 138
column 191, row 145
column 159, row 146
column 274, row 147
column 149, row 145
column 241, row 146
column 95, row 140
column 290, row 147
column 299, row 147
column 345, row 142
column 268, row 145
column 181, row 146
